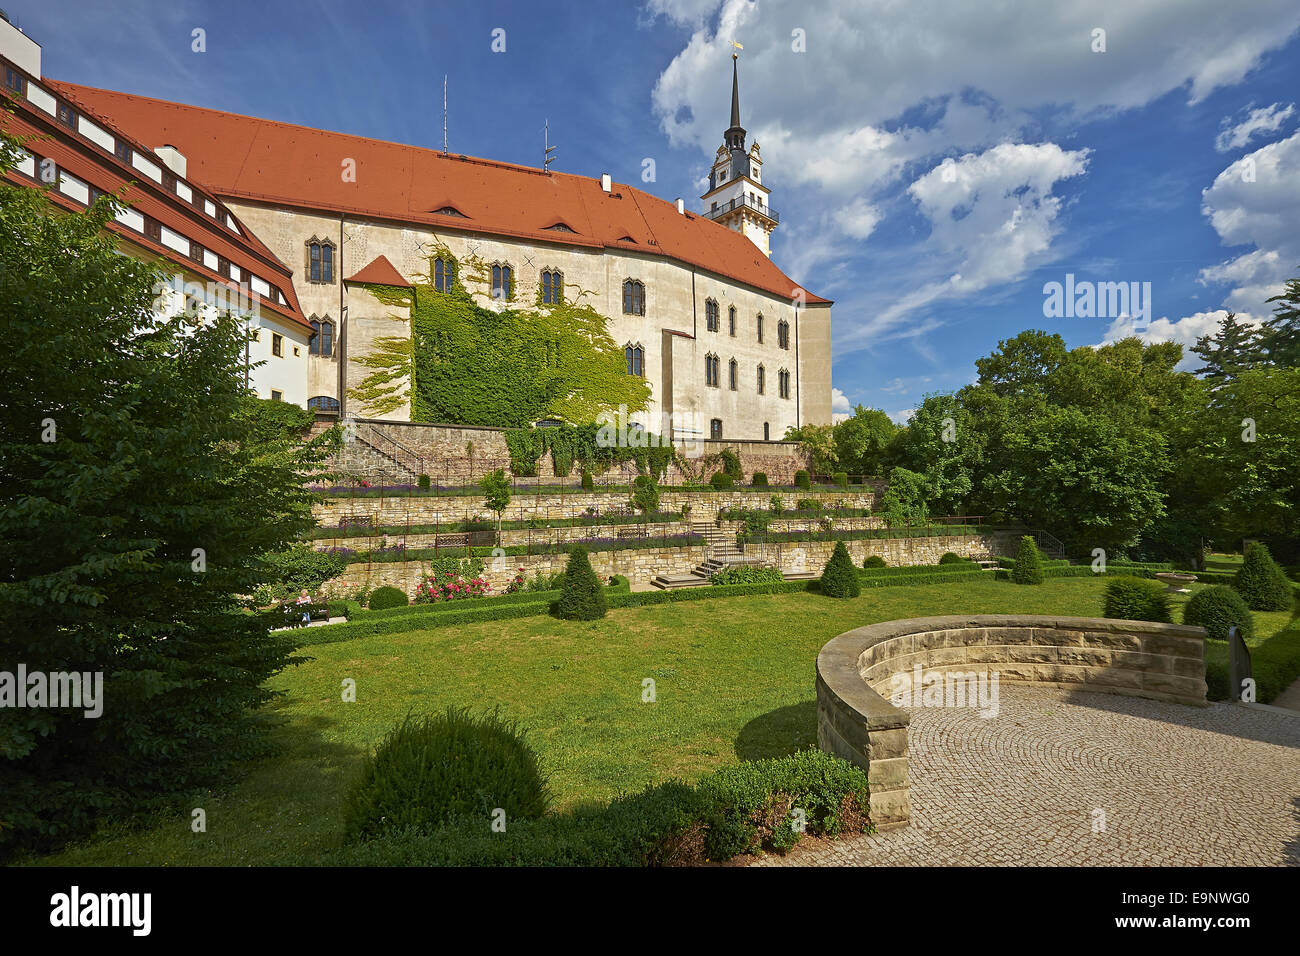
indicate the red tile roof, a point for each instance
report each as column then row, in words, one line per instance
column 279, row 163
column 380, row 272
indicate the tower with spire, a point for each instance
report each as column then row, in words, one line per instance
column 736, row 197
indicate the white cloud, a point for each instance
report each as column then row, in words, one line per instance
column 691, row 13
column 841, row 407
column 1184, row 331
column 858, row 219
column 1259, row 122
column 1256, row 201
column 902, row 417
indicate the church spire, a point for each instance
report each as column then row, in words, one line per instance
column 734, row 137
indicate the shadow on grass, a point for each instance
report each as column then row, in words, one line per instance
column 779, row 733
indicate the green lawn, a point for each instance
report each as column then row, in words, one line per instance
column 734, row 680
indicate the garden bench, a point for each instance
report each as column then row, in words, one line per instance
column 452, row 540
column 633, row 532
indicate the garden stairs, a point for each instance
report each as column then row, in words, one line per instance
column 723, row 553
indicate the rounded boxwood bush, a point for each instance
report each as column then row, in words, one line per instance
column 801, row 479
column 423, row 481
column 386, row 597
column 1216, row 609
column 758, row 479
column 874, row 561
column 1028, row 568
column 581, row 596
column 721, row 481
column 1262, row 582
column 950, row 558
column 840, row 577
column 1136, row 599
column 433, row 769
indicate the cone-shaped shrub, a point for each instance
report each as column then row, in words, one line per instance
column 581, row 596
column 1216, row 609
column 587, row 483
column 1028, row 568
column 840, row 577
column 1136, row 599
column 1262, row 583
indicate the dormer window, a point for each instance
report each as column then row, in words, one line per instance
column 449, row 211
column 628, row 239
column 561, row 227
column 320, row 260
column 552, row 287
column 444, row 273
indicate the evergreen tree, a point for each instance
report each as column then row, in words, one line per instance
column 1281, row 338
column 581, row 596
column 840, row 577
column 1231, row 350
column 1262, row 583
column 1028, row 568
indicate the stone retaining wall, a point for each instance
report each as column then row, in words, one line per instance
column 856, row 673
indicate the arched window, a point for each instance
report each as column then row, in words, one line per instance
column 783, row 382
column 710, row 315
column 733, row 374
column 761, row 384
column 323, row 403
column 760, row 326
column 322, row 337
column 766, row 432
column 635, row 356
column 502, row 281
column 715, row 429
column 633, row 297
column 444, row 273
column 731, row 320
column 712, row 376
column 783, row 334
column 552, row 286
column 320, row 260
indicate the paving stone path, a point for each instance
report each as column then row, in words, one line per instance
column 1177, row 785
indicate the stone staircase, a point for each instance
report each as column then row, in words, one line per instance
column 723, row 553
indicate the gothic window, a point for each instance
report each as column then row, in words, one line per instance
column 710, row 315
column 766, row 432
column 733, row 374
column 731, row 320
column 552, row 286
column 783, row 382
column 715, row 429
column 444, row 273
column 503, row 282
column 323, row 403
column 320, row 260
column 633, row 297
column 322, row 337
column 760, row 326
column 635, row 356
column 712, row 376
column 761, row 382
column 783, row 334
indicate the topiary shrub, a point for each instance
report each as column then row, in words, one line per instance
column 874, row 561
column 587, row 483
column 1028, row 568
column 721, row 481
column 841, row 479
column 1217, row 609
column 1136, row 599
column 386, row 597
column 433, row 769
column 801, row 479
column 1262, row 583
column 949, row 558
column 423, row 482
column 840, row 577
column 581, row 596
column 758, row 479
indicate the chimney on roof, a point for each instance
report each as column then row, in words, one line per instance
column 606, row 183
column 20, row 49
column 173, row 158
column 681, row 206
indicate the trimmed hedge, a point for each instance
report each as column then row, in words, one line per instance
column 1131, row 598
column 730, row 811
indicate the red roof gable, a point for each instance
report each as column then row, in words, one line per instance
column 380, row 272
column 262, row 160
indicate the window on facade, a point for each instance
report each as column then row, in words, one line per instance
column 67, row 116
column 320, row 257
column 13, row 80
column 731, row 320
column 712, row 376
column 710, row 315
column 323, row 403
column 502, row 281
column 153, row 229
column 444, row 274
column 633, row 297
column 635, row 360
column 783, row 382
column 715, row 429
column 277, row 344
column 196, row 251
column 733, row 374
column 277, row 396
column 322, row 337
column 760, row 326
column 552, row 287
column 783, row 334
column 223, row 267
column 766, row 433
column 761, row 383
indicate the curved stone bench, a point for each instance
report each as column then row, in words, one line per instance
column 860, row 671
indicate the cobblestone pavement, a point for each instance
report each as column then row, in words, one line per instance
column 1177, row 786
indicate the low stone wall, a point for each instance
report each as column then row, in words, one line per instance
column 858, row 670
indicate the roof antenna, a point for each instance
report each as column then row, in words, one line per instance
column 547, row 158
column 444, row 114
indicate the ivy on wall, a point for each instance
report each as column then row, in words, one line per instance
column 581, row 445
column 470, row 365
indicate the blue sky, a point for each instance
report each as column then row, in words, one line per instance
column 934, row 163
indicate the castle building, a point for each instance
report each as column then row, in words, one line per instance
column 731, row 347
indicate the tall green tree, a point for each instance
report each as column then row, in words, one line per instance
column 136, row 501
column 1281, row 336
column 1231, row 350
column 862, row 441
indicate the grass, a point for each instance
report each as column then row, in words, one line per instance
column 733, row 677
